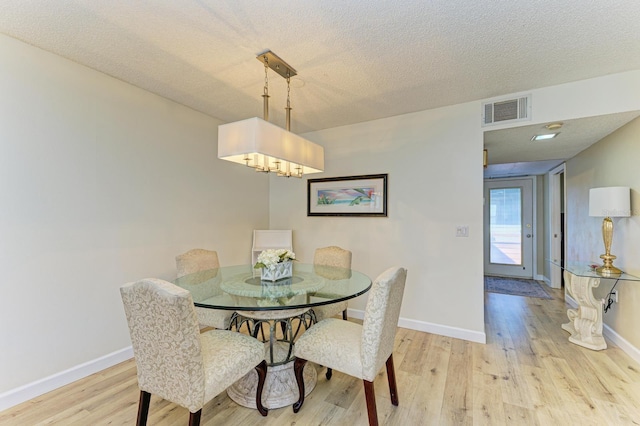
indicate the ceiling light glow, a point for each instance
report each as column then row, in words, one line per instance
column 545, row 136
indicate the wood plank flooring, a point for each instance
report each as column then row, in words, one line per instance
column 527, row 374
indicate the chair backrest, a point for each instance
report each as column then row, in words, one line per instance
column 270, row 239
column 381, row 320
column 326, row 259
column 332, row 256
column 166, row 341
column 196, row 260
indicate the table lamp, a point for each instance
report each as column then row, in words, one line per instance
column 613, row 201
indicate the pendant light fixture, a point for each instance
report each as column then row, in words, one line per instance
column 265, row 147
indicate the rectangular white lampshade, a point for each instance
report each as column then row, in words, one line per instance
column 613, row 201
column 254, row 137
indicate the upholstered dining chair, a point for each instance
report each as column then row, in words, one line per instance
column 174, row 360
column 197, row 260
column 335, row 257
column 354, row 349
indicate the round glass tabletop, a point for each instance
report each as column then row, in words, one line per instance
column 240, row 287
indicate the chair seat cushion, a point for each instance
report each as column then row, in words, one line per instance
column 226, row 356
column 334, row 343
column 218, row 318
column 327, row 311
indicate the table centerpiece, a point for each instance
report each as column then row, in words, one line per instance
column 275, row 264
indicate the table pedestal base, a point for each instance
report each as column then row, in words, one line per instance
column 280, row 388
column 585, row 323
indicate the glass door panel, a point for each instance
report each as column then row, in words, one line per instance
column 508, row 227
column 505, row 226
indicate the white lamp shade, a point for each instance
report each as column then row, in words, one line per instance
column 255, row 136
column 613, row 201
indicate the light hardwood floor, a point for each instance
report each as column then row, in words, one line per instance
column 527, row 374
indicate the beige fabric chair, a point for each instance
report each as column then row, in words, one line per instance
column 354, row 349
column 174, row 360
column 197, row 260
column 335, row 257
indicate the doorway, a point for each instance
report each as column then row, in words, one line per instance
column 508, row 228
column 557, row 225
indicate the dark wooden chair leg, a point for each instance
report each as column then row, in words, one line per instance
column 371, row 403
column 344, row 315
column 194, row 418
column 143, row 408
column 262, row 375
column 329, row 373
column 298, row 368
column 391, row 375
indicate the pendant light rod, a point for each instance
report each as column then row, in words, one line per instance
column 265, row 92
column 288, row 107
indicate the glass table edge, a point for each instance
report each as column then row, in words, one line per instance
column 587, row 269
column 284, row 307
column 360, row 292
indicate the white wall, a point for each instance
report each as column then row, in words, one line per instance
column 101, row 183
column 434, row 162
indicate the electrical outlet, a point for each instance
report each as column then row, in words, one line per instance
column 614, row 296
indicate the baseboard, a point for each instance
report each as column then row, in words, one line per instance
column 622, row 343
column 442, row 330
column 539, row 277
column 34, row 389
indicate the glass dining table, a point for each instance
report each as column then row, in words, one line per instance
column 275, row 313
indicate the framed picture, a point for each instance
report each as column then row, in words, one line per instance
column 347, row 196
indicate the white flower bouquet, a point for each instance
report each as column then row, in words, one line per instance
column 275, row 264
column 271, row 257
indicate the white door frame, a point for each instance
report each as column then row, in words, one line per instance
column 554, row 233
column 534, row 223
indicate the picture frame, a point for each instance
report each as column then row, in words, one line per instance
column 364, row 195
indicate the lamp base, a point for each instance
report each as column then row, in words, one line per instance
column 608, row 270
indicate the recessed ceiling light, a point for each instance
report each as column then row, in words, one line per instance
column 544, row 137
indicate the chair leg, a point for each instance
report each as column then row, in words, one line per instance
column 298, row 368
column 371, row 402
column 194, row 418
column 391, row 375
column 262, row 375
column 143, row 408
column 344, row 315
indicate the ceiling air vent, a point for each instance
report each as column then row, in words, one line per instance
column 507, row 110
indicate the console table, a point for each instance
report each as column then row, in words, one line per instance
column 585, row 323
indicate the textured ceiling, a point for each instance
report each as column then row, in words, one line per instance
column 357, row 60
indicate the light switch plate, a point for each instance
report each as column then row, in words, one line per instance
column 462, row 231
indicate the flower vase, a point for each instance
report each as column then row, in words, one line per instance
column 280, row 271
